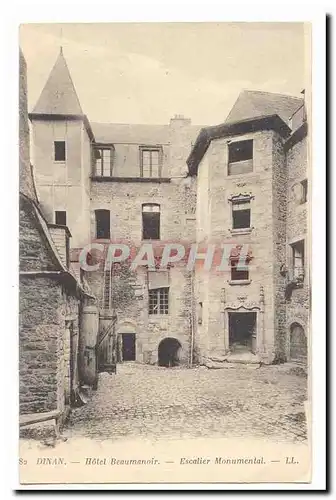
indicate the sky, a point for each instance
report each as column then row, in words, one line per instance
column 148, row 72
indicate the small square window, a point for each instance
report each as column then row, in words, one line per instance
column 59, row 150
column 60, row 217
column 239, row 273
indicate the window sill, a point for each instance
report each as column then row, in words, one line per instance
column 60, row 162
column 247, row 230
column 239, row 176
column 158, row 180
column 239, row 282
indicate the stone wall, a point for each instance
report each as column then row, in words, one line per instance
column 40, row 336
column 215, row 188
column 298, row 306
column 279, row 195
column 125, row 199
column 177, row 200
column 48, row 326
column 151, row 329
column 47, row 311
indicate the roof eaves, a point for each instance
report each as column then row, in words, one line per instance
column 69, row 117
column 265, row 122
column 298, row 135
column 63, row 270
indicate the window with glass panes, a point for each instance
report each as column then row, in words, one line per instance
column 241, row 214
column 159, row 301
column 298, row 258
column 150, row 162
column 103, row 161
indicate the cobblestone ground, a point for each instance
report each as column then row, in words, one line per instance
column 153, row 402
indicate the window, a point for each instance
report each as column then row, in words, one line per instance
column 239, row 273
column 150, row 162
column 158, row 301
column 103, row 224
column 298, row 259
column 60, row 217
column 59, row 150
column 240, row 157
column 241, row 214
column 304, row 191
column 151, row 221
column 103, row 158
column 200, row 313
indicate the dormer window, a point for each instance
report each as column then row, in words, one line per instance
column 103, row 158
column 150, row 161
column 240, row 157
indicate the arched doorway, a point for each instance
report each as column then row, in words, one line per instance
column 169, row 352
column 298, row 343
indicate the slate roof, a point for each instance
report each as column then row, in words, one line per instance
column 128, row 133
column 124, row 133
column 253, row 104
column 58, row 96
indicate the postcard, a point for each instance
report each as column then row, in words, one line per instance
column 165, row 253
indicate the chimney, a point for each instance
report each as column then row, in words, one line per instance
column 179, row 121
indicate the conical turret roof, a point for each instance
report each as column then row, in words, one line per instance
column 58, row 96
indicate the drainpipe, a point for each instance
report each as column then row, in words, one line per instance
column 192, row 323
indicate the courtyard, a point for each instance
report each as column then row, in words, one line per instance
column 153, row 403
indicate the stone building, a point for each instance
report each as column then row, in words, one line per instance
column 178, row 183
column 252, row 191
column 53, row 305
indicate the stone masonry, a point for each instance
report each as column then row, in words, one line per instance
column 194, row 194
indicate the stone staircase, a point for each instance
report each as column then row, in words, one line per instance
column 232, row 359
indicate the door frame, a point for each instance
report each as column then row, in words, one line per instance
column 259, row 342
column 133, row 334
column 253, row 335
